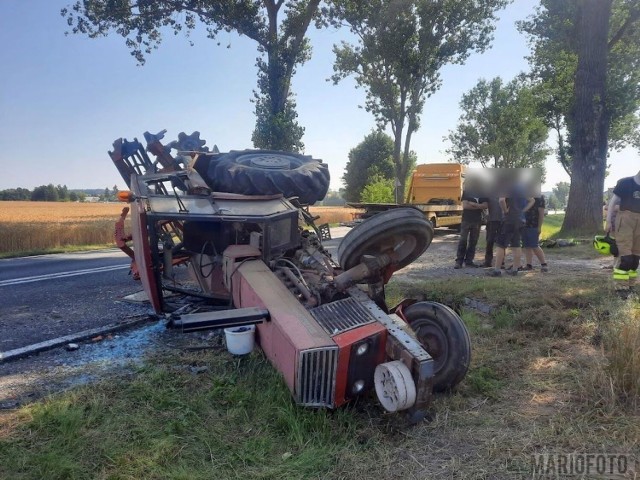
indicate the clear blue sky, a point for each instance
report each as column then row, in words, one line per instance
column 65, row 99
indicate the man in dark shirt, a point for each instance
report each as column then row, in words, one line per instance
column 626, row 195
column 531, row 235
column 494, row 221
column 470, row 227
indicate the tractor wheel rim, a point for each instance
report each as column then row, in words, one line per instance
column 434, row 340
column 270, row 162
column 400, row 246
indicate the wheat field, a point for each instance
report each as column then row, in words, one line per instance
column 28, row 227
column 34, row 227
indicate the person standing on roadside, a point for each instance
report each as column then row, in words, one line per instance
column 531, row 235
column 494, row 221
column 472, row 207
column 626, row 197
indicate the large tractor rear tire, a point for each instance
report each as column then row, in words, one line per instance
column 267, row 172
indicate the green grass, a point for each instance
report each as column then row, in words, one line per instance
column 551, row 226
column 237, row 420
column 546, row 373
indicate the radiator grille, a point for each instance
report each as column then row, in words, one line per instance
column 316, row 380
column 342, row 315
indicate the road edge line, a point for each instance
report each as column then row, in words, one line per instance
column 34, row 348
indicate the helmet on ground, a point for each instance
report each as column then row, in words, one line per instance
column 605, row 245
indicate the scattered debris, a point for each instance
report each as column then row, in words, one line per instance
column 197, row 370
column 481, row 307
column 72, row 347
column 71, row 339
column 561, row 242
column 9, row 405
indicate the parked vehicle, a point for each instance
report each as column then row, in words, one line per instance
column 435, row 189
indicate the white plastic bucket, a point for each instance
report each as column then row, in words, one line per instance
column 240, row 340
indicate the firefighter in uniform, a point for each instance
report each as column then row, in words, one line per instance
column 626, row 195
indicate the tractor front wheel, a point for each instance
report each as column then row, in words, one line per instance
column 444, row 336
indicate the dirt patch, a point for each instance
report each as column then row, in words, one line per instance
column 439, row 259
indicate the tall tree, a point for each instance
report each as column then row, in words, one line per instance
column 500, row 127
column 591, row 119
column 402, row 47
column 561, row 192
column 586, row 57
column 45, row 193
column 553, row 203
column 63, row 193
column 369, row 158
column 278, row 28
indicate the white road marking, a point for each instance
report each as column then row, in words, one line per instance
column 53, row 276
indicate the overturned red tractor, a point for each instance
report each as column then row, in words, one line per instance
column 231, row 235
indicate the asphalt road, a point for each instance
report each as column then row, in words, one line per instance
column 48, row 296
column 15, row 271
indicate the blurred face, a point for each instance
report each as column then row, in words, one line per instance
column 500, row 182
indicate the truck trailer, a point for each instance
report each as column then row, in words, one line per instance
column 435, row 189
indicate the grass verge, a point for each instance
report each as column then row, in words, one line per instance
column 555, row 368
column 235, row 420
column 61, row 249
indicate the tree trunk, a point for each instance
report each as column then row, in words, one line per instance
column 591, row 120
column 404, row 171
column 398, row 128
column 397, row 161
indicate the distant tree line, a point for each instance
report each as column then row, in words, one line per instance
column 15, row 194
column 56, row 193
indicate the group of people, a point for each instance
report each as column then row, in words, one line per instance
column 513, row 222
column 516, row 222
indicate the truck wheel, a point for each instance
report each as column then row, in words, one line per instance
column 267, row 172
column 444, row 336
column 403, row 230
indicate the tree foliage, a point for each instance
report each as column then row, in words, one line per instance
column 378, row 190
column 553, row 203
column 13, row 194
column 586, row 57
column 43, row 193
column 402, row 47
column 369, row 158
column 46, row 193
column 500, row 127
column 276, row 26
column 561, row 192
column 554, row 36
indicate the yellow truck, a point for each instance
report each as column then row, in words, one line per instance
column 433, row 188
